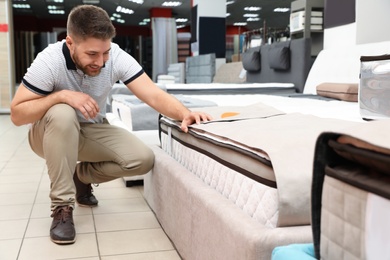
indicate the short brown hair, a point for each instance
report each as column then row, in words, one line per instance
column 86, row 21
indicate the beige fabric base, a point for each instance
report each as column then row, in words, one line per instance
column 342, row 221
column 202, row 223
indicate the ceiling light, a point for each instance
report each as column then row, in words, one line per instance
column 251, row 15
column 180, row 26
column 281, row 10
column 240, row 24
column 140, row 2
column 21, row 6
column 252, row 8
column 116, row 15
column 227, row 14
column 55, row 7
column 143, row 23
column 124, row 10
column 253, row 19
column 51, row 11
column 91, row 2
column 181, row 20
column 229, row 2
column 171, row 3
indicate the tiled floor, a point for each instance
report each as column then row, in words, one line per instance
column 121, row 227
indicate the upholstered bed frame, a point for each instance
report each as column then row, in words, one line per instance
column 283, row 62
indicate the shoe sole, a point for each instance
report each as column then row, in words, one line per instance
column 63, row 242
column 87, row 206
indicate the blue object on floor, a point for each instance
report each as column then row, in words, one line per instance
column 294, row 252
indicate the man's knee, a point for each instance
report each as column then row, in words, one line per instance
column 62, row 117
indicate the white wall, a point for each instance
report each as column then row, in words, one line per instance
column 372, row 21
column 340, row 36
column 372, row 25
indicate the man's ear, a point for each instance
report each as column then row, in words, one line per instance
column 69, row 41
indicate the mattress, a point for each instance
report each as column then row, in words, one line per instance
column 273, row 150
column 231, row 88
column 351, row 193
column 137, row 115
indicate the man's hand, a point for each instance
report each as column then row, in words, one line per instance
column 194, row 117
column 82, row 102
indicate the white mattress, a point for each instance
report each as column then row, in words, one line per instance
column 257, row 200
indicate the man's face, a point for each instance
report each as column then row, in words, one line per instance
column 89, row 55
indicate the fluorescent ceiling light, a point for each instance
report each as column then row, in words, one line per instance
column 281, row 10
column 240, row 24
column 252, row 8
column 140, row 2
column 91, row 2
column 229, row 2
column 227, row 14
column 124, row 10
column 171, row 3
column 253, row 19
column 181, row 20
column 51, row 11
column 21, row 6
column 251, row 15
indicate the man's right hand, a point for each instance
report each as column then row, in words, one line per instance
column 82, row 102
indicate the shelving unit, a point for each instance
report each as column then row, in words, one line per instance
column 306, row 21
column 183, row 46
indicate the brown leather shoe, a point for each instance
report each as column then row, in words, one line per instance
column 84, row 196
column 62, row 228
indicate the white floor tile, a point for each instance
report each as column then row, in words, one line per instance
column 121, row 227
column 135, row 241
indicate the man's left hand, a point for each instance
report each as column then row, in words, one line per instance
column 194, row 117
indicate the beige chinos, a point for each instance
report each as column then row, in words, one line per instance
column 104, row 152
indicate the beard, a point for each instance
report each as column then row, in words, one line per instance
column 86, row 69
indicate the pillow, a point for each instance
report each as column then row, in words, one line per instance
column 341, row 91
column 251, row 60
column 279, row 58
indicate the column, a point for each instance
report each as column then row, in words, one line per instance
column 7, row 71
column 208, row 27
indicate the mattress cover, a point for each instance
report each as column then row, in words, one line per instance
column 285, row 140
column 351, row 193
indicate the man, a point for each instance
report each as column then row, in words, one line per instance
column 63, row 95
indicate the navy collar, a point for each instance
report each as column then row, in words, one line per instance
column 69, row 62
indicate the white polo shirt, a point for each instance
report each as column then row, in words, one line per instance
column 53, row 70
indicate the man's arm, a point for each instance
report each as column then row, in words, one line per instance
column 145, row 89
column 28, row 107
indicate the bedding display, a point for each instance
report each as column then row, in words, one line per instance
column 284, row 62
column 243, row 184
column 351, row 193
column 267, row 181
column 137, row 115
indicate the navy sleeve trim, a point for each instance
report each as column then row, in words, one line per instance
column 35, row 89
column 134, row 77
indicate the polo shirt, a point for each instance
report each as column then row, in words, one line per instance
column 54, row 70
